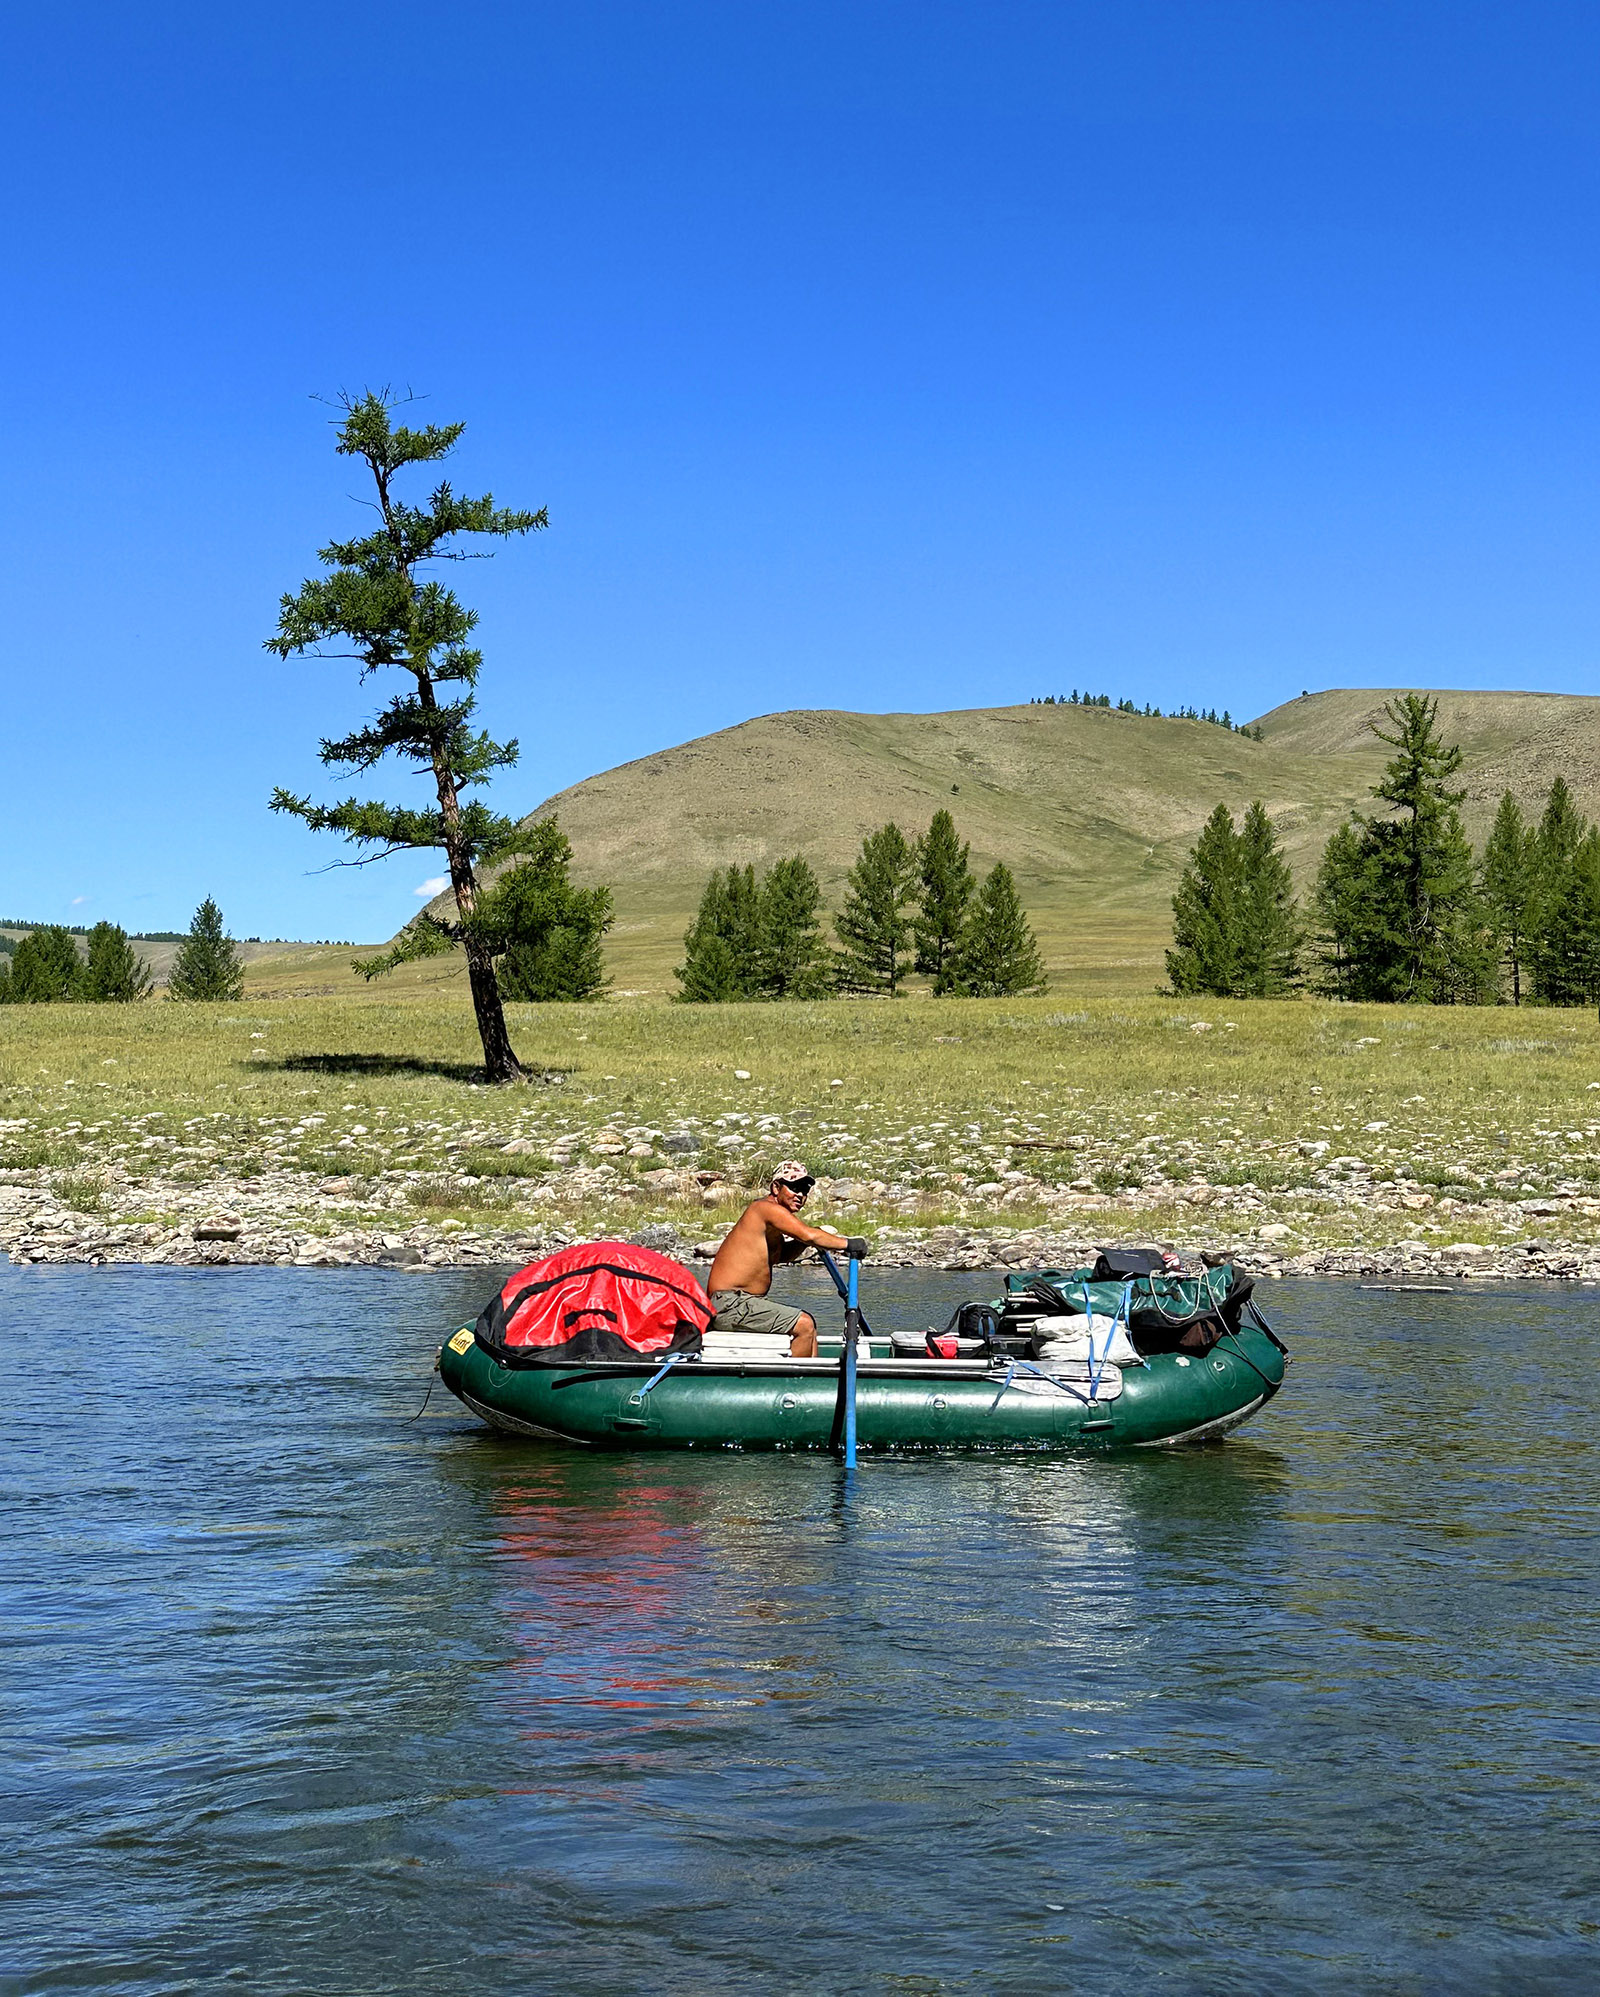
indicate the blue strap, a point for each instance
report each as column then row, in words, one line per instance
column 659, row 1374
column 1098, row 1366
column 1026, row 1366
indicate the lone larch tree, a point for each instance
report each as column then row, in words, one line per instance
column 207, row 966
column 374, row 607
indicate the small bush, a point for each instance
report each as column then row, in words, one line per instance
column 451, row 1196
column 84, row 1192
column 503, row 1165
column 34, row 1154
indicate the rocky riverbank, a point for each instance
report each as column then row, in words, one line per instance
column 288, row 1218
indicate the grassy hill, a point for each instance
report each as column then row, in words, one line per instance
column 1094, row 810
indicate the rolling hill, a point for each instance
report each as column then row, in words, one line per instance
column 1094, row 810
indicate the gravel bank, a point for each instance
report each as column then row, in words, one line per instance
column 286, row 1218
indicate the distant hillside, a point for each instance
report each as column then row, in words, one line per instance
column 1095, row 810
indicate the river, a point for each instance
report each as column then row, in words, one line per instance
column 301, row 1696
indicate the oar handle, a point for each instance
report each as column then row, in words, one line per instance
column 848, row 1291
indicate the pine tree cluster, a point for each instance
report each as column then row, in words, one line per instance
column 1402, row 909
column 44, row 968
column 755, row 939
column 1539, row 887
column 909, row 906
column 1249, row 729
column 1235, row 927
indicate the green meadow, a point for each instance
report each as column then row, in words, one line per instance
column 1342, row 1124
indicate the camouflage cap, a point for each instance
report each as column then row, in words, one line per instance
column 792, row 1173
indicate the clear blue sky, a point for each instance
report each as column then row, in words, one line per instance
column 869, row 355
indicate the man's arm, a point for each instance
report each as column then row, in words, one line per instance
column 795, row 1228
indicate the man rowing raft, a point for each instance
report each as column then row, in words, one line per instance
column 767, row 1233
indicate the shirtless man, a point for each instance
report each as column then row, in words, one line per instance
column 768, row 1232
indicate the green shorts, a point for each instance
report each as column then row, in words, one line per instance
column 737, row 1310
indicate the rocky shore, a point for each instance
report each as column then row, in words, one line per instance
column 284, row 1219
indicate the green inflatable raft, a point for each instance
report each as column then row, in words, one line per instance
column 902, row 1403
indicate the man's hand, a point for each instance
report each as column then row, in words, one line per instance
column 856, row 1248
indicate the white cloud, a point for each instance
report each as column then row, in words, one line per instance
column 430, row 888
column 77, row 901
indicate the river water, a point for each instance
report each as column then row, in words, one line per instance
column 301, row 1697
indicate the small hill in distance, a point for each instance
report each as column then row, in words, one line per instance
column 1094, row 810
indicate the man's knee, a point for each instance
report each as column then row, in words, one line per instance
column 803, row 1343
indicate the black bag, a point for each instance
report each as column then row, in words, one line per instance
column 1116, row 1265
column 972, row 1333
column 974, row 1321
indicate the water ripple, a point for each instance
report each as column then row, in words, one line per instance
column 302, row 1699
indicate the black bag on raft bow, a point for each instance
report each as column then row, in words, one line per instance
column 1116, row 1265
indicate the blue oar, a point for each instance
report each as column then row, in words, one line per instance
column 852, row 1329
column 854, row 1325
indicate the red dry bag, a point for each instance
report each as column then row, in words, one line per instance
column 596, row 1300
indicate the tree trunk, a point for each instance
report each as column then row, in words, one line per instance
column 499, row 1061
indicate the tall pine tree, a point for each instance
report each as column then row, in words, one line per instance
column 207, row 965
column 1207, row 916
column 375, row 607
column 1569, row 941
column 1561, row 827
column 997, row 956
column 873, row 926
column 115, row 973
column 1401, row 895
column 946, row 887
column 1508, row 887
column 1270, row 931
column 791, row 960
column 1342, row 905
column 1554, row 897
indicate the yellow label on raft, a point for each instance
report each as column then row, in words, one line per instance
column 462, row 1339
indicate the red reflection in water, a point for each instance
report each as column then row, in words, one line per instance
column 602, row 1588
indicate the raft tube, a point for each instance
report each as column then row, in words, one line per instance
column 901, row 1404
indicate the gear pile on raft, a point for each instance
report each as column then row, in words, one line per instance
column 612, row 1346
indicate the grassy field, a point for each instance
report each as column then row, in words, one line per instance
column 1342, row 1125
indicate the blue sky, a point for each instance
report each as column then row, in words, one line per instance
column 873, row 355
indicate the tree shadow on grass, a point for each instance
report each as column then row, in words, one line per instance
column 374, row 1067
